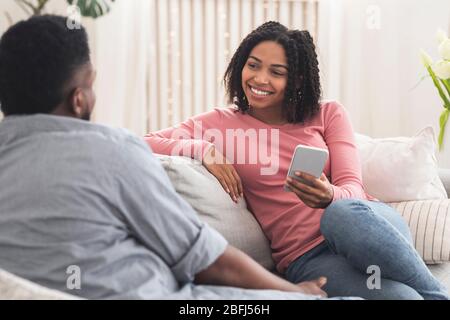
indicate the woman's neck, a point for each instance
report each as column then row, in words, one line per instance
column 272, row 116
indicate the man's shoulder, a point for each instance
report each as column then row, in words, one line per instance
column 50, row 129
column 79, row 128
column 118, row 141
column 119, row 135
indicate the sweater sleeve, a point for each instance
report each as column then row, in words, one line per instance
column 187, row 139
column 346, row 176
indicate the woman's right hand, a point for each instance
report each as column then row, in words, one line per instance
column 219, row 166
column 313, row 287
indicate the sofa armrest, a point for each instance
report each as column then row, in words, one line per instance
column 444, row 174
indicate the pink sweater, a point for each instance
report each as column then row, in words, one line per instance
column 262, row 161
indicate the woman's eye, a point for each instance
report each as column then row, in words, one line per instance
column 278, row 73
column 252, row 66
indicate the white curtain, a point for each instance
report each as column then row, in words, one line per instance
column 162, row 61
column 370, row 57
column 120, row 45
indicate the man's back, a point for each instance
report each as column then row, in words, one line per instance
column 66, row 200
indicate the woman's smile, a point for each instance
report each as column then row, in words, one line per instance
column 258, row 92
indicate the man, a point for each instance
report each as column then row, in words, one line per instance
column 84, row 198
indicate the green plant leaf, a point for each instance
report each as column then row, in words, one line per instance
column 438, row 87
column 446, row 84
column 442, row 122
column 92, row 8
column 420, row 81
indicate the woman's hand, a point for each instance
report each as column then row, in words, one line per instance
column 219, row 166
column 313, row 287
column 318, row 195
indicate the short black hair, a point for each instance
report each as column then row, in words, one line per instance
column 38, row 58
column 301, row 102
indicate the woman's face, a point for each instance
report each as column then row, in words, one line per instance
column 264, row 76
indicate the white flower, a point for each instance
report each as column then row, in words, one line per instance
column 426, row 59
column 444, row 49
column 442, row 69
column 441, row 36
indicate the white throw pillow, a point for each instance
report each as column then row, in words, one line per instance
column 429, row 222
column 401, row 169
column 215, row 207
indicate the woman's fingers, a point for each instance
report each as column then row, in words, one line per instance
column 302, row 186
column 223, row 182
column 313, row 181
column 229, row 183
column 234, row 181
column 308, row 199
column 238, row 181
column 225, row 173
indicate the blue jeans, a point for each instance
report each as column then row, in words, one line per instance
column 360, row 234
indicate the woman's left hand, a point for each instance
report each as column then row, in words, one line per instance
column 318, row 195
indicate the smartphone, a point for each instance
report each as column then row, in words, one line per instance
column 307, row 159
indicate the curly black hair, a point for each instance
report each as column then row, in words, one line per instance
column 303, row 90
column 38, row 58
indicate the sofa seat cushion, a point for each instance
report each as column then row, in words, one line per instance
column 16, row 288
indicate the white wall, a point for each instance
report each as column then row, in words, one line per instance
column 372, row 69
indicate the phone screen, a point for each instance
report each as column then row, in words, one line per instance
column 308, row 159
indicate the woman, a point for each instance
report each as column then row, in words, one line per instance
column 331, row 228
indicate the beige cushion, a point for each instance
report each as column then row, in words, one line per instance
column 15, row 288
column 429, row 222
column 214, row 206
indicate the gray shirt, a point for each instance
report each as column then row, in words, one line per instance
column 84, row 195
column 84, row 199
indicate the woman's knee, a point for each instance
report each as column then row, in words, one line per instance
column 394, row 218
column 340, row 214
column 346, row 215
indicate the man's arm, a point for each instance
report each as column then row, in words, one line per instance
column 164, row 223
column 236, row 269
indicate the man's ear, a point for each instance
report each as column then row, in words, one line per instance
column 77, row 102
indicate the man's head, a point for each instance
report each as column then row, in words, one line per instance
column 45, row 68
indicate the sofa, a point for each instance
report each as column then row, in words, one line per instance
column 400, row 171
column 196, row 185
column 420, row 195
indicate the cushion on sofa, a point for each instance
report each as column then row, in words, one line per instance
column 429, row 222
column 15, row 288
column 215, row 207
column 402, row 168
